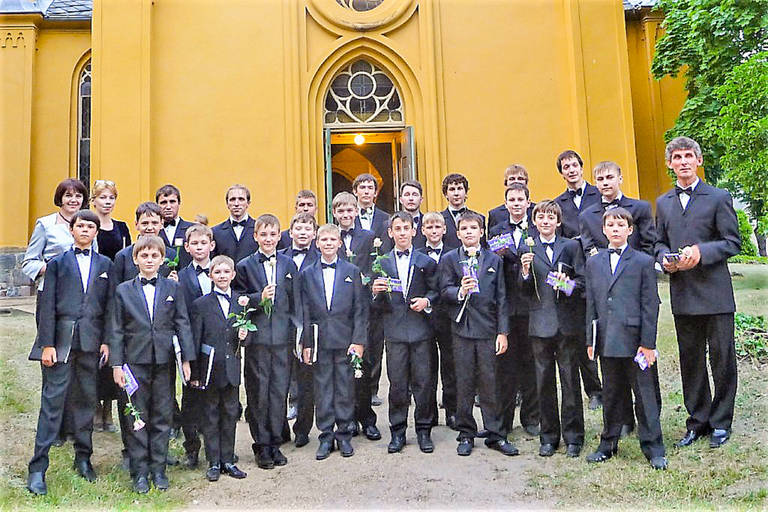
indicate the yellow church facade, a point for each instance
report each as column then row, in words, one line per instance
column 287, row 94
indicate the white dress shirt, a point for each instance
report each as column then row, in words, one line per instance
column 366, row 218
column 347, row 239
column 685, row 198
column 238, row 230
column 84, row 264
column 517, row 233
column 329, row 275
column 577, row 198
column 298, row 258
column 435, row 256
column 403, row 264
column 550, row 252
column 617, row 199
column 149, row 295
column 615, row 258
column 224, row 301
column 270, row 267
column 170, row 231
column 204, row 279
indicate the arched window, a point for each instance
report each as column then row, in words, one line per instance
column 84, row 125
column 359, row 5
column 362, row 94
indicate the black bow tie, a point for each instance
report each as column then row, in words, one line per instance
column 617, row 252
column 221, row 294
column 84, row 252
column 238, row 223
column 577, row 192
column 431, row 250
column 200, row 270
column 405, row 253
column 328, row 265
column 610, row 204
column 300, row 251
column 167, row 223
column 548, row 245
column 518, row 225
column 263, row 258
column 680, row 190
column 144, row 281
column 345, row 232
column 366, row 212
column 458, row 212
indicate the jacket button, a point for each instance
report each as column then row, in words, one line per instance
column 227, row 356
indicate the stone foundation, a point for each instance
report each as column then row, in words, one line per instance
column 13, row 283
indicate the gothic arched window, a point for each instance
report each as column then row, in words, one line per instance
column 359, row 5
column 84, row 125
column 362, row 94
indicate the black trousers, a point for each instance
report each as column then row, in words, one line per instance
column 516, row 371
column 191, row 418
column 220, row 410
column 363, row 411
column 148, row 447
column 475, row 361
column 305, row 403
column 622, row 377
column 697, row 335
column 67, row 386
column 409, row 369
column 269, row 367
column 375, row 350
column 560, row 350
column 442, row 362
column 334, row 394
column 589, row 375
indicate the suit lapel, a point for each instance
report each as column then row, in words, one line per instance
column 541, row 254
column 143, row 298
column 317, row 277
column 92, row 271
column 70, row 255
column 557, row 250
column 621, row 265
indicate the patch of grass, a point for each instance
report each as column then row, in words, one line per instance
column 751, row 337
column 13, row 399
column 755, row 260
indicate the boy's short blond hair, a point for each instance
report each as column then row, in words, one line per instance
column 198, row 229
column 430, row 217
column 148, row 242
column 304, row 218
column 266, row 219
column 344, row 198
column 222, row 259
column 329, row 228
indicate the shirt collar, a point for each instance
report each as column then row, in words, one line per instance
column 618, row 197
column 196, row 265
column 228, row 291
column 232, row 219
column 335, row 260
column 583, row 187
column 542, row 240
column 523, row 222
column 692, row 186
column 438, row 246
column 622, row 248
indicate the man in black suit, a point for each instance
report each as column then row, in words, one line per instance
column 411, row 197
column 335, row 312
column 556, row 328
column 306, row 202
column 174, row 227
column 149, row 319
column 578, row 196
column 697, row 222
column 515, row 368
column 472, row 283
column 69, row 341
column 515, row 173
column 622, row 313
column 234, row 236
column 455, row 189
column 405, row 299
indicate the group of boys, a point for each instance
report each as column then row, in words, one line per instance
column 558, row 283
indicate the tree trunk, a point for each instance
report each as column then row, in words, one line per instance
column 760, row 244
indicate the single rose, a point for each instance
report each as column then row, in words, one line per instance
column 242, row 300
column 138, row 425
column 358, row 374
column 472, row 252
column 529, row 242
column 350, row 254
column 377, row 243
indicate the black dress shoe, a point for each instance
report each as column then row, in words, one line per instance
column 483, row 434
column 233, row 471
column 503, row 446
column 264, row 459
column 547, row 450
column 396, row 444
column 465, row 446
column 301, row 440
column 532, row 430
column 719, row 437
column 372, row 433
column 354, row 429
column 425, row 441
column 573, row 450
column 213, row 473
column 141, row 484
column 659, row 463
column 278, row 457
column 85, row 470
column 160, row 481
column 450, row 421
column 600, row 456
column 626, row 430
column 192, row 461
column 36, row 483
column 345, row 447
column 324, row 450
column 595, row 402
column 688, row 439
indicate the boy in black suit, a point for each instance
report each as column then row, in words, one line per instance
column 68, row 345
column 270, row 280
column 408, row 331
column 168, row 197
column 455, row 190
column 304, row 253
column 306, row 202
column 216, row 337
column 149, row 312
column 697, row 222
column 623, row 307
column 472, row 282
column 556, row 328
column 515, row 173
column 234, row 236
column 411, row 197
column 516, row 369
column 335, row 312
column 433, row 229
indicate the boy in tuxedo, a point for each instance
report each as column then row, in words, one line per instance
column 234, row 236
column 304, row 253
column 149, row 311
column 408, row 331
column 433, row 229
column 555, row 326
column 411, row 196
column 306, row 202
column 516, row 369
column 455, row 190
column 472, row 282
column 69, row 345
column 515, row 173
column 270, row 280
column 220, row 395
column 622, row 311
column 335, row 313
column 168, row 197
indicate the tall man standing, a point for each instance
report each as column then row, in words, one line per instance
column 697, row 233
column 234, row 236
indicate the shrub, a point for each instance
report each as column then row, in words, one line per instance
column 745, row 231
column 751, row 337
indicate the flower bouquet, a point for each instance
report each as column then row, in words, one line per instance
column 356, row 362
column 469, row 268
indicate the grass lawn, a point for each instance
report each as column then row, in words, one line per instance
column 735, row 476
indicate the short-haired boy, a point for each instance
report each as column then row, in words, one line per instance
column 149, row 311
column 306, row 202
column 68, row 345
column 622, row 313
column 555, row 326
column 455, row 189
column 472, row 282
column 149, row 222
column 335, row 312
column 515, row 174
column 216, row 337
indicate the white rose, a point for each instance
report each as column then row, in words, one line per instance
column 377, row 242
column 242, row 300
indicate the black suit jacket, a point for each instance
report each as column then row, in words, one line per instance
column 190, row 285
column 63, row 300
column 211, row 327
column 570, row 223
column 179, row 236
column 643, row 238
column 450, row 238
column 346, row 321
column 125, row 269
column 134, row 339
column 500, row 213
column 251, row 279
column 486, row 314
column 285, row 240
column 419, row 240
column 379, row 227
column 517, row 299
column 401, row 323
column 362, row 247
column 555, row 312
column 624, row 303
column 313, row 254
column 708, row 221
column 228, row 244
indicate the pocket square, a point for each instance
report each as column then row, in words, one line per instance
column 169, row 299
column 288, row 275
column 347, row 279
column 491, row 271
column 104, row 275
